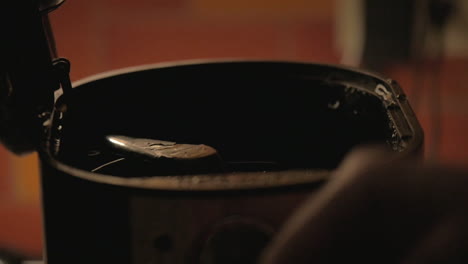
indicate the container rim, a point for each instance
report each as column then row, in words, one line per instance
column 239, row 180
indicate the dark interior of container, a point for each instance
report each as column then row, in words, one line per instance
column 259, row 119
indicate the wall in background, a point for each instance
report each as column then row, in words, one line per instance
column 103, row 35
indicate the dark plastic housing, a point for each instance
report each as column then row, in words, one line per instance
column 27, row 77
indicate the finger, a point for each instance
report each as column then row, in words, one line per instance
column 364, row 158
column 365, row 213
column 446, row 243
column 323, row 219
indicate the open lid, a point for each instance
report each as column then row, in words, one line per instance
column 27, row 79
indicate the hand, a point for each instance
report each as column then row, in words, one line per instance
column 379, row 209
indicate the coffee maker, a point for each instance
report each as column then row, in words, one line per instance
column 276, row 131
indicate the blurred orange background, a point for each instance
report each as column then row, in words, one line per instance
column 98, row 36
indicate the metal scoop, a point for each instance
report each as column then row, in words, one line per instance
column 152, row 148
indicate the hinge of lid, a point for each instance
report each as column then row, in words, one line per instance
column 62, row 69
column 53, row 123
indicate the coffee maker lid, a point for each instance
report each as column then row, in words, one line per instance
column 27, row 78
